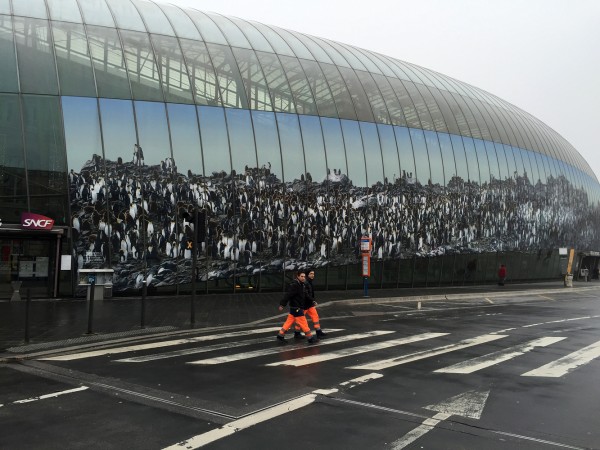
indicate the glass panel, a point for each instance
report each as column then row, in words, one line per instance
column 73, row 60
column 316, row 50
column 462, row 167
column 155, row 20
column 64, row 10
column 320, row 88
column 447, row 156
column 234, row 36
column 210, row 32
column 267, row 143
column 185, row 139
column 241, row 140
column 13, row 189
column 153, row 132
column 405, row 151
column 372, row 148
column 174, row 75
column 339, row 91
column 334, row 146
column 354, row 62
column 253, row 79
column 118, row 129
column 493, row 160
column 336, row 57
column 141, row 66
column 357, row 93
column 300, row 51
column 46, row 157
column 35, row 56
column 420, row 105
column 82, row 132
column 391, row 162
column 291, row 147
column 484, row 166
column 510, row 159
column 4, row 6
column 408, row 108
column 126, row 15
column 389, row 97
column 184, row 27
column 96, row 12
column 354, row 152
column 201, row 72
column 316, row 162
column 376, row 101
column 255, row 37
column 435, row 158
column 8, row 68
column 215, row 144
column 279, row 88
column 421, row 158
column 31, row 8
column 305, row 102
column 228, row 76
column 472, row 160
column 279, row 45
column 109, row 64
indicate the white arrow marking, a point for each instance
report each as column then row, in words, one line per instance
column 567, row 363
column 384, row 364
column 475, row 364
column 468, row 404
column 53, row 395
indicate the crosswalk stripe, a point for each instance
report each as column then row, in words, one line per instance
column 193, row 351
column 281, row 349
column 385, row 363
column 160, row 344
column 481, row 362
column 355, row 350
column 567, row 363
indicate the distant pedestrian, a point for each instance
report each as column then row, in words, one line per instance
column 296, row 297
column 501, row 275
column 310, row 307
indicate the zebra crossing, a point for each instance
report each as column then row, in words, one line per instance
column 344, row 345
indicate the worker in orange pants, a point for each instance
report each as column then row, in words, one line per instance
column 295, row 296
column 310, row 307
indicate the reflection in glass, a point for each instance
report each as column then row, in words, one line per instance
column 421, row 158
column 201, row 71
column 484, row 166
column 8, row 68
column 472, row 160
column 241, row 140
column 447, row 156
column 267, row 142
column 153, row 132
column 320, row 88
column 303, row 96
column 389, row 151
column 141, row 66
column 185, row 138
column 109, row 64
column 228, row 76
column 82, row 130
column 316, row 163
column 354, row 151
column 405, row 151
column 334, row 143
column 370, row 139
column 277, row 82
column 174, row 75
column 118, row 129
column 340, row 93
column 435, row 158
column 253, row 79
column 291, row 147
column 215, row 144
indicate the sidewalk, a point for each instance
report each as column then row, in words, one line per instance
column 60, row 323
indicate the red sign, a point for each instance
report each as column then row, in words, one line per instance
column 31, row 221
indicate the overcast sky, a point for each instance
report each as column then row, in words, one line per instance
column 540, row 55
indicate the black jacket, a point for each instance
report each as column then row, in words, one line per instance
column 295, row 296
column 309, row 299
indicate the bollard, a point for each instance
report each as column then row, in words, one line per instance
column 366, row 287
column 143, row 318
column 91, row 306
column 27, row 305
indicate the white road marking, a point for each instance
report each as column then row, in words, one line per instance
column 160, row 344
column 488, row 300
column 567, row 363
column 355, row 350
column 192, row 351
column 541, row 441
column 261, row 416
column 559, row 321
column 481, row 362
column 391, row 362
column 421, row 430
column 53, row 395
column 281, row 349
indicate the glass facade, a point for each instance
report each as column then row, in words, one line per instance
column 122, row 119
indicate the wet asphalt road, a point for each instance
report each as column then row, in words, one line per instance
column 514, row 373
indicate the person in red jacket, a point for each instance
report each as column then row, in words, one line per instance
column 501, row 275
column 296, row 297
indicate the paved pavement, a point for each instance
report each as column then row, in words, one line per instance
column 58, row 323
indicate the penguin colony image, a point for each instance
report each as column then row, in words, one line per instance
column 139, row 220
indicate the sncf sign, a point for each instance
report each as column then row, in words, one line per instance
column 30, row 221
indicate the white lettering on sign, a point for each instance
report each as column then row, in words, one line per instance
column 41, row 223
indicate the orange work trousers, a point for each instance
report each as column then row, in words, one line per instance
column 314, row 316
column 299, row 321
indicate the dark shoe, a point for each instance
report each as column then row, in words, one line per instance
column 320, row 334
column 298, row 335
column 281, row 339
column 312, row 340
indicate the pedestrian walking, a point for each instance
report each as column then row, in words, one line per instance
column 501, row 275
column 296, row 297
column 310, row 307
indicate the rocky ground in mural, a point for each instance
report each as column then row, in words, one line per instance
column 139, row 220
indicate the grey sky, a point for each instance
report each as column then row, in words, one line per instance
column 541, row 55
